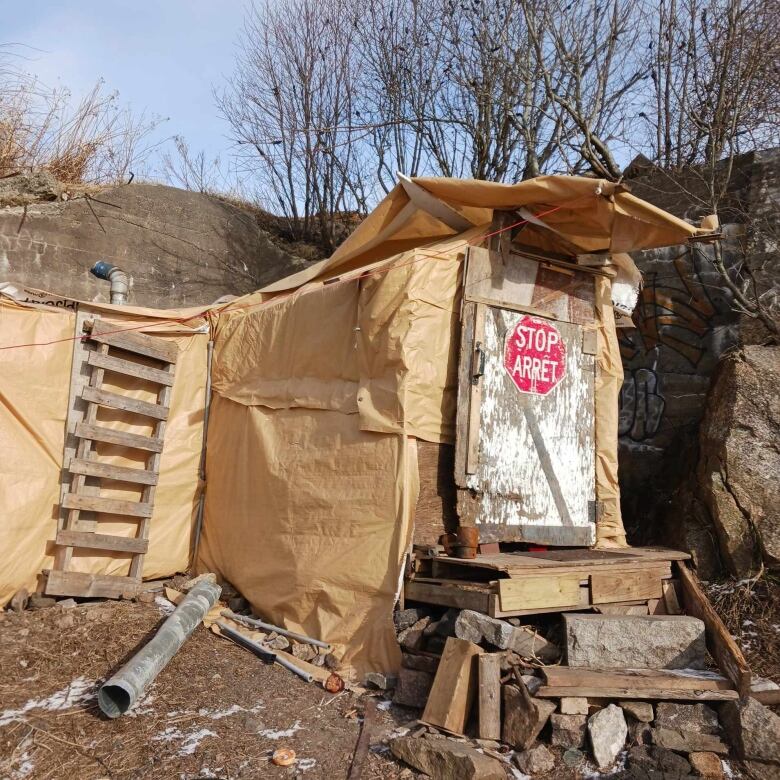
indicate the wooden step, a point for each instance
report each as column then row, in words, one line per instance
column 122, row 438
column 122, row 337
column 94, row 468
column 93, row 541
column 72, row 583
column 116, row 401
column 129, row 368
column 109, row 506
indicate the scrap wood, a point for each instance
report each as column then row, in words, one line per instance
column 364, row 741
column 680, row 685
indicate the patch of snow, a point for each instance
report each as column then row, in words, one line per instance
column 219, row 714
column 617, row 769
column 189, row 742
column 518, row 775
column 385, row 704
column 141, row 707
column 727, row 770
column 305, row 764
column 78, row 691
column 24, row 767
column 271, row 734
column 166, row 607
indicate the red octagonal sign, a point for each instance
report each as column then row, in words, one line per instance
column 535, row 355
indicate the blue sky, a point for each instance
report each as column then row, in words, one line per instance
column 164, row 57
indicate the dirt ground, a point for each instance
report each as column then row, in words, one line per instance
column 215, row 711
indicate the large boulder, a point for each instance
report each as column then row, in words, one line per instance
column 444, row 759
column 740, row 460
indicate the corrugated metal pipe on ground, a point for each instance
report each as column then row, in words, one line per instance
column 118, row 694
column 120, row 284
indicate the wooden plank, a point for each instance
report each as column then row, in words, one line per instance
column 109, row 506
column 636, row 679
column 95, row 468
column 495, row 611
column 489, row 696
column 123, row 402
column 122, row 337
column 538, row 592
column 720, row 643
column 452, row 693
column 653, row 694
column 129, row 368
column 153, row 464
column 626, row 586
column 447, row 596
column 468, row 315
column 671, row 602
column 71, row 583
column 94, row 541
column 364, row 740
column 475, row 402
column 122, row 438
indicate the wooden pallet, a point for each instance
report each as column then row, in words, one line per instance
column 525, row 583
column 76, row 531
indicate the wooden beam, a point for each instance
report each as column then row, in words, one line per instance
column 653, row 694
column 434, row 206
column 94, row 541
column 109, row 506
column 123, row 402
column 71, row 583
column 122, row 438
column 447, row 595
column 451, row 696
column 489, row 696
column 635, row 679
column 720, row 643
column 129, row 368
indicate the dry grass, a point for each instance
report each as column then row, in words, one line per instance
column 751, row 611
column 93, row 140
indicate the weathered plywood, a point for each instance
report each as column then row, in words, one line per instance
column 514, row 281
column 435, row 511
column 627, row 586
column 535, row 476
column 539, row 591
column 489, row 696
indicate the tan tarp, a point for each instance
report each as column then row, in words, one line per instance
column 34, row 398
column 322, row 382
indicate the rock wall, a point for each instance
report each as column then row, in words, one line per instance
column 686, row 322
column 180, row 248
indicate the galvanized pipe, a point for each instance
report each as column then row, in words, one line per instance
column 118, row 694
column 255, row 623
column 261, row 650
column 120, row 283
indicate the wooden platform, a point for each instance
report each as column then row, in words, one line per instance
column 509, row 584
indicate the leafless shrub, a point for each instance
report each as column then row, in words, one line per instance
column 93, row 140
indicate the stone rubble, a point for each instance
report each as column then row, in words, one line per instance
column 607, row 730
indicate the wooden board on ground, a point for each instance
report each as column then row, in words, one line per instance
column 489, row 696
column 720, row 643
column 626, row 586
column 642, row 684
column 451, row 696
column 539, row 591
column 71, row 583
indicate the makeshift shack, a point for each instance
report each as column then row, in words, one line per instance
column 454, row 363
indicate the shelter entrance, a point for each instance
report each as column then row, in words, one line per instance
column 525, row 437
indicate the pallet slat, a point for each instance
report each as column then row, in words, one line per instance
column 93, row 541
column 129, row 368
column 94, row 468
column 71, row 583
column 122, row 438
column 116, row 401
column 109, row 506
column 131, row 341
column 546, row 591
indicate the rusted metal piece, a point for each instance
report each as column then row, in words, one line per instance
column 466, row 542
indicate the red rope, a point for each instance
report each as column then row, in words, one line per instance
column 228, row 307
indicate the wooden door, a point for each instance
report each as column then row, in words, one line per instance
column 525, row 448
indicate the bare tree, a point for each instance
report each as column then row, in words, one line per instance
column 291, row 105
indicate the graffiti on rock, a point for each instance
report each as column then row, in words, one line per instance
column 641, row 405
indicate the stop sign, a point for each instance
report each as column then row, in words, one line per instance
column 535, row 355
